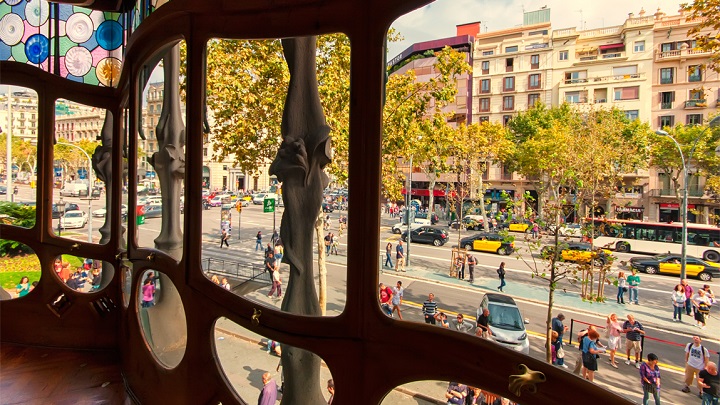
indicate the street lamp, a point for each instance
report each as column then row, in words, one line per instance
column 408, row 211
column 712, row 124
column 90, row 186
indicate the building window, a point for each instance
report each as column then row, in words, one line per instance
column 509, row 64
column 695, row 73
column 509, row 49
column 488, row 53
column 485, row 66
column 505, row 174
column 667, row 121
column 632, row 115
column 534, row 61
column 533, row 98
column 627, row 93
column 667, row 75
column 667, row 47
column 574, row 97
column 563, row 55
column 509, row 84
column 639, row 46
column 485, row 86
column 696, row 95
column 694, row 119
column 534, row 81
column 508, row 103
column 666, row 99
column 205, row 152
column 506, row 120
column 576, row 77
column 484, row 118
column 484, row 104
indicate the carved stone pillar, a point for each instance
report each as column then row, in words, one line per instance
column 102, row 164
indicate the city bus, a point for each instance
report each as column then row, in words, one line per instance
column 658, row 237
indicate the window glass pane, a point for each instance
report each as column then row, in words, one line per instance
column 624, row 70
column 19, row 269
column 511, row 49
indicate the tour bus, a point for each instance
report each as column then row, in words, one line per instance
column 658, row 237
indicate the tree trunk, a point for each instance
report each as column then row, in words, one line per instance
column 322, row 266
column 431, row 193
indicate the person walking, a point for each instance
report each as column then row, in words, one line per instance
column 709, row 381
column 328, row 242
column 471, row 262
column 397, row 299
column 650, row 379
column 399, row 257
column 429, row 309
column 334, row 242
column 385, row 295
column 613, row 329
column 701, row 303
column 622, row 287
column 501, row 275
column 388, row 256
column 696, row 359
column 558, row 326
column 688, row 296
column 633, row 281
column 258, row 241
column 268, row 393
column 224, row 236
column 633, row 332
column 678, row 300
column 590, row 350
column 277, row 284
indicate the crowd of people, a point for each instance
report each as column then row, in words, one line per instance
column 685, row 299
column 85, row 278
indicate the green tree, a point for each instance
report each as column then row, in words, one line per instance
column 707, row 32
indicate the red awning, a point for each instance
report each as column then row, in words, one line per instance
column 611, row 46
column 425, row 192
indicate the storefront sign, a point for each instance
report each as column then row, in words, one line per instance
column 674, row 206
column 634, row 210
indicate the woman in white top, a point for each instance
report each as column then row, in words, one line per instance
column 678, row 300
column 702, row 304
column 614, row 330
column 622, row 288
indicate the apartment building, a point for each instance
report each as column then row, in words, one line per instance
column 22, row 111
column 75, row 122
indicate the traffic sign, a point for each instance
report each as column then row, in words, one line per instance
column 269, row 205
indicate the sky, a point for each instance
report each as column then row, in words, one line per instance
column 438, row 20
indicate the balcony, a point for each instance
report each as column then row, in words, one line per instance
column 669, row 192
column 681, row 54
column 666, row 105
column 694, row 104
column 612, row 55
column 612, row 78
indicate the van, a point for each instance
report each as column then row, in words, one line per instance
column 74, row 190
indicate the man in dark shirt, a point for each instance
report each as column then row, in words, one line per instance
column 483, row 328
column 633, row 331
column 400, row 257
column 557, row 326
column 709, row 380
column 269, row 262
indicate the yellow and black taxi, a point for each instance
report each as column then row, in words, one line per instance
column 517, row 226
column 671, row 263
column 579, row 253
column 487, row 242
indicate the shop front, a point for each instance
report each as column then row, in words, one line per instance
column 630, row 213
column 670, row 212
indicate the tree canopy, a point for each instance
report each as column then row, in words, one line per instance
column 707, row 32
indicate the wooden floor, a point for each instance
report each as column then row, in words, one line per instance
column 33, row 375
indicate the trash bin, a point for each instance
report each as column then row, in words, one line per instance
column 140, row 213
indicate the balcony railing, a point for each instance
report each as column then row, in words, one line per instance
column 699, row 103
column 612, row 78
column 612, row 55
column 681, row 53
column 669, row 192
column 666, row 105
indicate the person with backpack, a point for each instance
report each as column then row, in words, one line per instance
column 696, row 359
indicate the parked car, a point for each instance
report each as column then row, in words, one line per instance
column 524, row 226
column 579, row 253
column 327, row 207
column 487, row 242
column 470, row 222
column 103, row 211
column 74, row 189
column 505, row 321
column 58, row 209
column 153, row 211
column 217, row 200
column 574, row 230
column 400, row 227
column 671, row 263
column 73, row 219
column 259, row 198
column 427, row 234
column 3, row 190
column 434, row 219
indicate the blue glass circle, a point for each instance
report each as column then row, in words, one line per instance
column 109, row 35
column 37, row 48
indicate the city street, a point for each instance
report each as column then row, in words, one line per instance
column 428, row 272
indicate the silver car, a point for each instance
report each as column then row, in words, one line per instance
column 506, row 323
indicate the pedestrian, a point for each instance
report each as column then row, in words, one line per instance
column 622, row 287
column 258, row 241
column 334, row 242
column 678, row 300
column 501, row 275
column 328, row 241
column 397, row 298
column 442, row 319
column 385, row 296
column 709, row 294
column 275, row 237
column 579, row 369
column 148, row 293
column 268, row 393
column 429, row 309
column 224, row 236
column 460, row 265
column 557, row 325
column 688, row 296
column 613, row 330
column 590, row 352
column 650, row 379
column 709, row 381
column 399, row 257
column 701, row 303
column 633, row 331
column 696, row 359
column 215, row 279
column 269, row 249
column 23, row 288
column 471, row 261
column 461, row 325
column 535, row 230
column 388, row 256
column 279, row 251
column 456, row 393
column 331, row 390
column 277, row 284
column 633, row 281
column 483, row 324
column 224, row 284
column 269, row 263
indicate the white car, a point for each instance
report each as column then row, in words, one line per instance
column 417, row 222
column 259, row 198
column 574, row 230
column 73, row 219
column 103, row 211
